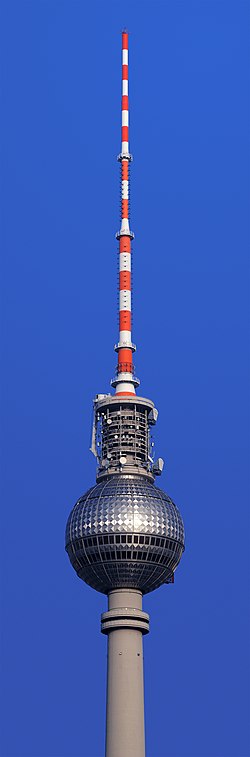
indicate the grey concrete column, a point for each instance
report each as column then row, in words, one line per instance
column 125, row 623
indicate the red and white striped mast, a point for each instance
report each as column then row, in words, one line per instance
column 125, row 381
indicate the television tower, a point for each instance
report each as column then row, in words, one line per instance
column 125, row 536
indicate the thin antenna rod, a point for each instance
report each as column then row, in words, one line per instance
column 125, row 381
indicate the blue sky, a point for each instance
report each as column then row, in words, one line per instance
column 189, row 84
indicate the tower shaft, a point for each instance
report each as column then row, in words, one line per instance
column 125, row 623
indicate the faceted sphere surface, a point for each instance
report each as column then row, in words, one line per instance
column 125, row 532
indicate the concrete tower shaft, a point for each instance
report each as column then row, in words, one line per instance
column 125, row 623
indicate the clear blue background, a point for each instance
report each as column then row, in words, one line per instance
column 189, row 73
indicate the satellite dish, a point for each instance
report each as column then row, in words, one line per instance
column 123, row 460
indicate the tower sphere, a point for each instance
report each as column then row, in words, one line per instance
column 125, row 532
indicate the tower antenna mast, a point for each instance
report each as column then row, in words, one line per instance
column 125, row 382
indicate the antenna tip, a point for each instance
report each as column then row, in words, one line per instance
column 125, row 39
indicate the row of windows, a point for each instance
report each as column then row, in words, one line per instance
column 161, row 558
column 109, row 539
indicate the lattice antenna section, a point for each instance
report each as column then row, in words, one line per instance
column 121, row 437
